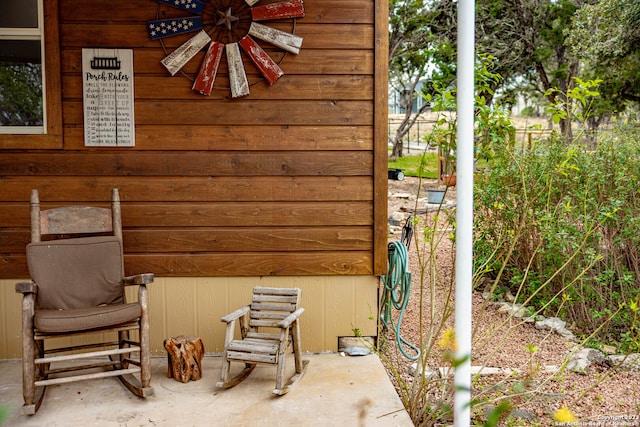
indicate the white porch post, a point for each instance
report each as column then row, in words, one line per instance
column 464, row 215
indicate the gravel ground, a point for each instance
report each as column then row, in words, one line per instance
column 602, row 397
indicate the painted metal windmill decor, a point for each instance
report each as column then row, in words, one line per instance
column 227, row 26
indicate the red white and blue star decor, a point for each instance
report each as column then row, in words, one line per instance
column 170, row 27
column 227, row 26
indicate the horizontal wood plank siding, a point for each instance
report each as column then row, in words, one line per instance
column 200, row 189
column 219, row 214
column 316, row 36
column 241, row 138
column 319, row 11
column 289, row 88
column 233, row 264
column 282, row 182
column 207, row 111
column 313, row 62
column 224, row 239
column 189, row 164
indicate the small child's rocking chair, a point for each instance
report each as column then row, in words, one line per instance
column 267, row 326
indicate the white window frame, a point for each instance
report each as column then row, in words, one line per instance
column 30, row 34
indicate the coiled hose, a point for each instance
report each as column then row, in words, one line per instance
column 397, row 287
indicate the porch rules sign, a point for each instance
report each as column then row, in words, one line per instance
column 107, row 82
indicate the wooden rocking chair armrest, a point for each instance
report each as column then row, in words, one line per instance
column 138, row 279
column 26, row 288
column 235, row 315
column 287, row 321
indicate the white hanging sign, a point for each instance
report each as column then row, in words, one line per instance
column 107, row 82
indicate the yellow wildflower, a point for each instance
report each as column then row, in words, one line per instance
column 564, row 415
column 448, row 340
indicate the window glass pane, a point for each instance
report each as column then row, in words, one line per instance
column 20, row 83
column 19, row 13
column 20, row 51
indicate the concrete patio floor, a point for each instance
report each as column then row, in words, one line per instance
column 335, row 391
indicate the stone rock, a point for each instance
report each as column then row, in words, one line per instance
column 356, row 351
column 356, row 345
column 581, row 361
column 397, row 218
column 516, row 310
column 567, row 334
column 629, row 363
column 552, row 323
column 556, row 325
column 486, row 284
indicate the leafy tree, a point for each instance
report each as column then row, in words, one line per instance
column 528, row 39
column 20, row 94
column 541, row 47
column 606, row 37
column 412, row 45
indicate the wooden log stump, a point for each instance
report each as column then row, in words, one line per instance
column 184, row 358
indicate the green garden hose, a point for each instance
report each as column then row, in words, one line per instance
column 397, row 286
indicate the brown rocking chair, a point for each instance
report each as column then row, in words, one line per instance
column 267, row 327
column 77, row 284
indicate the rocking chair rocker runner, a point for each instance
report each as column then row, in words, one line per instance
column 267, row 327
column 77, row 288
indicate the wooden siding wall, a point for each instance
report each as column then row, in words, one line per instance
column 280, row 182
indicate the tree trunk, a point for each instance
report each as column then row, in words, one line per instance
column 398, row 148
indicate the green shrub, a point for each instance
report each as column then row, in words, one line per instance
column 559, row 225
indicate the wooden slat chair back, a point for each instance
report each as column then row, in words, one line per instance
column 268, row 326
column 76, row 264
